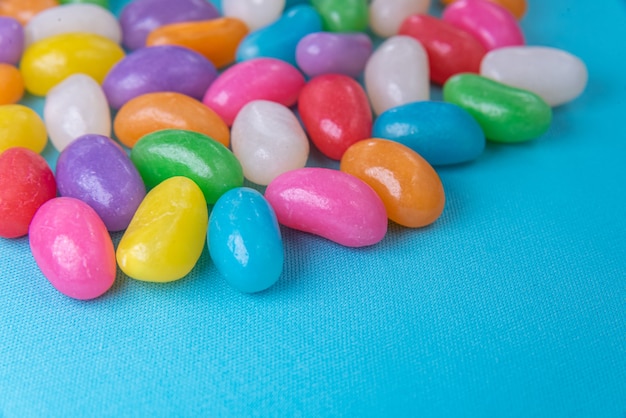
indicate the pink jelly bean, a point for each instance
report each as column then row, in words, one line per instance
column 329, row 203
column 72, row 248
column 256, row 79
column 493, row 25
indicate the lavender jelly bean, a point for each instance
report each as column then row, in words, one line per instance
column 11, row 40
column 338, row 53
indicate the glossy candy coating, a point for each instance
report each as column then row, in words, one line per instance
column 101, row 3
column 11, row 84
column 333, row 53
column 172, row 152
column 505, row 113
column 256, row 14
column 215, row 39
column 97, row 171
column 335, row 112
column 26, row 183
column 255, row 79
column 343, row 15
column 329, row 203
column 158, row 68
column 450, row 50
column 268, row 140
column 386, row 16
column 24, row 10
column 21, row 126
column 75, row 107
column 72, row 248
column 516, row 7
column 164, row 110
column 49, row 61
column 167, row 234
column 11, row 40
column 442, row 133
column 244, row 240
column 408, row 186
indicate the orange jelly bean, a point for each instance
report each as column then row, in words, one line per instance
column 216, row 39
column 24, row 10
column 166, row 110
column 516, row 7
column 11, row 84
column 408, row 186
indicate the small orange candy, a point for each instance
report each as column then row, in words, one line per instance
column 24, row 10
column 517, row 7
column 165, row 110
column 216, row 39
column 408, row 186
column 11, row 84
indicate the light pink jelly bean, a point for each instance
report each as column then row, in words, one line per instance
column 256, row 79
column 329, row 203
column 72, row 248
column 493, row 25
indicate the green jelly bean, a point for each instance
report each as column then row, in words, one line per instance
column 103, row 3
column 506, row 114
column 343, row 15
column 174, row 152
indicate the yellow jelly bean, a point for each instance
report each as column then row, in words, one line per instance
column 166, row 236
column 21, row 126
column 49, row 61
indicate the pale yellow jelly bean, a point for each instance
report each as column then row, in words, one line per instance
column 21, row 126
column 167, row 234
column 49, row 61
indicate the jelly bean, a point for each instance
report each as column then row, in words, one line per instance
column 255, row 79
column 335, row 112
column 11, row 84
column 49, row 61
column 329, row 203
column 505, row 113
column 255, row 14
column 24, row 10
column 74, row 107
column 21, row 126
column 386, row 16
column 397, row 73
column 493, row 25
column 11, row 40
column 158, row 68
column 166, row 236
column 97, row 171
column 553, row 74
column 244, row 240
column 450, row 50
column 442, row 133
column 101, row 3
column 216, row 39
column 172, row 152
column 73, row 249
column 26, row 183
column 140, row 17
column 268, row 140
column 516, row 7
column 343, row 15
column 408, row 186
column 156, row 111
column 333, row 53
column 280, row 39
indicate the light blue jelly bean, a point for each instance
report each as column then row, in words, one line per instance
column 279, row 40
column 442, row 133
column 244, row 240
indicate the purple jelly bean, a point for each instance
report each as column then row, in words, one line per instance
column 11, row 40
column 96, row 170
column 141, row 17
column 158, row 68
column 338, row 53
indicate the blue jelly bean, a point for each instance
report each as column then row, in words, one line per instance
column 440, row 132
column 279, row 40
column 244, row 240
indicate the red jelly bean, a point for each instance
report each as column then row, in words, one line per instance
column 335, row 112
column 26, row 183
column 450, row 50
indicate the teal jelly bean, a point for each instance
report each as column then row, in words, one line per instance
column 442, row 133
column 343, row 15
column 244, row 240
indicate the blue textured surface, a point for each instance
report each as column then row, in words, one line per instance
column 512, row 304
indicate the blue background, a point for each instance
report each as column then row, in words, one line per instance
column 512, row 304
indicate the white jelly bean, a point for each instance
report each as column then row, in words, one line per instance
column 555, row 75
column 386, row 16
column 75, row 107
column 268, row 140
column 397, row 73
column 254, row 13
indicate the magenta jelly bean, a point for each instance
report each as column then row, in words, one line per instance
column 11, row 40
column 337, row 53
column 256, row 79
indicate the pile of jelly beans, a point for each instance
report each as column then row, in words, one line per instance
column 204, row 98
